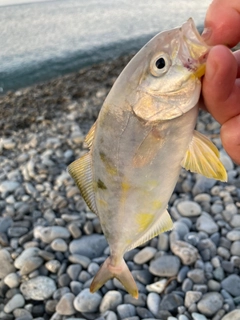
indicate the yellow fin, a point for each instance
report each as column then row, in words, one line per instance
column 203, row 157
column 81, row 172
column 164, row 223
column 90, row 135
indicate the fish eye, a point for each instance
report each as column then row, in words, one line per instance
column 160, row 64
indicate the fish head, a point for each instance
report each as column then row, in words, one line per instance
column 167, row 74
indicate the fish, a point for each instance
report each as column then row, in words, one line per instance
column 143, row 136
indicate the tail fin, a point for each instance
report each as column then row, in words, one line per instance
column 121, row 272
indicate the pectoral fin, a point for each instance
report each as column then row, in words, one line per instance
column 164, row 223
column 81, row 172
column 203, row 157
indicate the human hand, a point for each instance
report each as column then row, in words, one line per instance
column 221, row 83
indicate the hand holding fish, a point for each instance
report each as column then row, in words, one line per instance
column 221, row 84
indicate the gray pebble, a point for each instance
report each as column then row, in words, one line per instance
column 205, row 223
column 82, row 260
column 39, row 288
column 227, row 161
column 144, row 255
column 235, row 248
column 153, row 302
column 181, row 228
column 235, row 221
column 233, row 315
column 5, row 223
column 187, row 285
column 17, row 301
column 232, row 285
column 192, row 297
column 90, row 246
column 25, row 255
column 93, row 268
column 60, row 292
column 110, row 315
column 53, row 266
column 210, row 303
column 76, row 287
column 74, row 230
column 12, row 280
column 143, row 313
column 8, row 186
column 233, row 235
column 48, row 234
column 6, row 263
column 73, row 271
column 31, row 264
column 223, row 252
column 110, row 301
column 165, row 266
column 139, row 302
column 197, row 276
column 189, row 209
column 171, row 302
column 214, row 285
column 126, row 311
column 87, row 301
column 202, row 185
column 59, row 245
column 65, row 305
column 185, row 251
column 218, row 274
column 198, row 316
column 163, row 242
column 182, row 273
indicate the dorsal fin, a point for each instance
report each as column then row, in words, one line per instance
column 90, row 135
column 164, row 223
column 203, row 157
column 81, row 172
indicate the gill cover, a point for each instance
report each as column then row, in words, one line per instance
column 169, row 85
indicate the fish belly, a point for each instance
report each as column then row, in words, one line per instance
column 135, row 169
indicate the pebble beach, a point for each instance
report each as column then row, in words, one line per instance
column 51, row 244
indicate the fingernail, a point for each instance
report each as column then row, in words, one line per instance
column 206, row 34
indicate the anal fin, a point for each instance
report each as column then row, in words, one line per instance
column 203, row 157
column 81, row 172
column 163, row 224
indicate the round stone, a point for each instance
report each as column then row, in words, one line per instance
column 30, row 265
column 6, row 263
column 185, row 251
column 235, row 221
column 232, row 285
column 144, row 255
column 91, row 246
column 12, row 280
column 87, row 301
column 110, row 301
column 192, row 297
column 25, row 255
column 235, row 248
column 233, row 235
column 153, row 301
column 189, row 209
column 165, row 266
column 65, row 305
column 126, row 311
column 17, row 301
column 197, row 276
column 205, row 223
column 233, row 315
column 53, row 266
column 210, row 303
column 48, row 234
column 39, row 288
column 59, row 245
column 8, row 186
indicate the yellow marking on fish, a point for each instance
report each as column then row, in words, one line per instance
column 156, row 205
column 111, row 170
column 102, row 203
column 125, row 186
column 200, row 71
column 144, row 220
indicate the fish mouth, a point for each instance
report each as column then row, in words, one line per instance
column 193, row 50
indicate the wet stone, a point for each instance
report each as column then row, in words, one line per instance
column 171, row 302
column 6, row 263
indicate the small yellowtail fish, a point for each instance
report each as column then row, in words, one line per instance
column 142, row 138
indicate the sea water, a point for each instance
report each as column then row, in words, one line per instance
column 43, row 39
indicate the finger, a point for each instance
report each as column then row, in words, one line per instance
column 220, row 90
column 230, row 135
column 222, row 23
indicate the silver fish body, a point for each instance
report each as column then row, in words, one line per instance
column 143, row 136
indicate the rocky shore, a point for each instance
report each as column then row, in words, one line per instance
column 51, row 245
